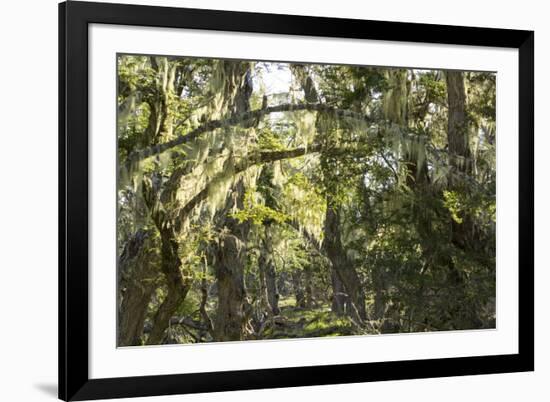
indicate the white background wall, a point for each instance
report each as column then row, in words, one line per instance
column 28, row 199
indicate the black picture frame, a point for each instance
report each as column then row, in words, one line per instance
column 74, row 381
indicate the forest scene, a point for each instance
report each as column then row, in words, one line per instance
column 275, row 200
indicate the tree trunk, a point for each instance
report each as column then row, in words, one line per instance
column 308, row 278
column 298, row 287
column 459, row 150
column 339, row 296
column 230, row 317
column 137, row 282
column 380, row 287
column 177, row 279
column 306, row 82
column 230, row 260
column 463, row 232
column 344, row 276
column 133, row 308
column 268, row 273
column 272, row 291
column 459, row 155
column 204, row 300
column 230, row 250
column 457, row 132
column 264, row 302
column 338, row 305
column 160, row 129
column 178, row 285
column 344, row 269
column 160, row 124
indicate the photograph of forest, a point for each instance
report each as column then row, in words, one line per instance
column 275, row 200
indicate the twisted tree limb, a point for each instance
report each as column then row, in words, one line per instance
column 254, row 159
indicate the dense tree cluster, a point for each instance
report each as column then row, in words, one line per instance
column 263, row 200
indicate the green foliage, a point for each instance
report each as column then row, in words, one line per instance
column 269, row 140
column 453, row 204
column 256, row 212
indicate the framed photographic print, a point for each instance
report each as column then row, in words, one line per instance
column 258, row 200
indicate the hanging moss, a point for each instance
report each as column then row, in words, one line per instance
column 395, row 99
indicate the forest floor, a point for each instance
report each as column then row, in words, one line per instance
column 296, row 322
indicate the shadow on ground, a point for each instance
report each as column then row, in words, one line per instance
column 48, row 389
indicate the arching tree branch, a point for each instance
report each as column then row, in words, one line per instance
column 139, row 155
